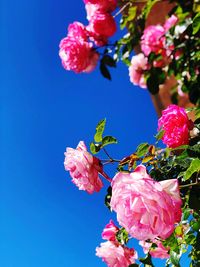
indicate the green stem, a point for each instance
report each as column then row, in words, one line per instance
column 188, row 185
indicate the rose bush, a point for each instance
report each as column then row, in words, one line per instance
column 115, row 255
column 160, row 207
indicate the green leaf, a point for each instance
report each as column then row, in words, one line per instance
column 194, row 151
column 99, row 130
column 109, row 61
column 175, row 258
column 155, row 78
column 197, row 114
column 180, row 148
column 186, row 214
column 107, row 140
column 94, row 148
column 104, row 71
column 122, row 236
column 196, row 23
column 132, row 13
column 194, row 167
column 142, row 149
column 133, row 265
column 196, row 226
column 159, row 135
column 148, row 6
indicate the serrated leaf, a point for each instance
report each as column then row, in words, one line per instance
column 104, row 71
column 160, row 134
column 197, row 114
column 147, row 159
column 196, row 24
column 99, row 130
column 142, row 149
column 180, row 148
column 109, row 61
column 194, row 167
column 174, row 257
column 107, row 140
column 132, row 13
column 122, row 236
column 155, row 78
column 94, row 148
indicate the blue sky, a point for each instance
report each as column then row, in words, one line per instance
column 45, row 220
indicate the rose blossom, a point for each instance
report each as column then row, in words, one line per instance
column 103, row 5
column 170, row 22
column 153, row 40
column 115, row 255
column 110, row 231
column 83, row 168
column 78, row 55
column 102, row 24
column 158, row 252
column 144, row 208
column 139, row 64
column 77, row 30
column 176, row 126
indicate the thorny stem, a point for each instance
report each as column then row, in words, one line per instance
column 105, row 151
column 111, row 161
column 121, row 9
column 188, row 185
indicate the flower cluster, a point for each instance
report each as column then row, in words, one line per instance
column 154, row 41
column 155, row 192
column 101, row 23
column 112, row 252
column 77, row 51
column 147, row 208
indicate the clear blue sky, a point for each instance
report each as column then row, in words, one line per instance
column 45, row 220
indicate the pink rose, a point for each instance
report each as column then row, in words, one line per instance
column 153, row 40
column 77, row 30
column 77, row 55
column 110, row 231
column 83, row 168
column 170, row 22
column 102, row 24
column 176, row 124
column 158, row 252
column 103, row 5
column 144, row 208
column 115, row 255
column 139, row 64
column 91, row 10
column 171, row 187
